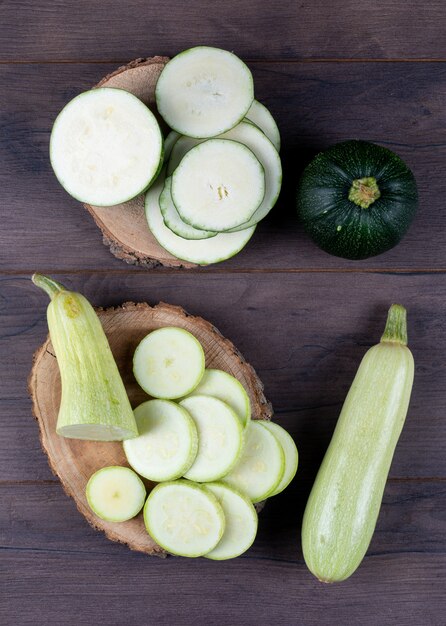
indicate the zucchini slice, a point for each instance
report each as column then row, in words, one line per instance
column 254, row 139
column 261, row 465
column 241, row 522
column 169, row 363
column 172, row 219
column 204, row 91
column 167, row 444
column 106, row 147
column 115, row 494
column 220, row 438
column 290, row 451
column 218, row 185
column 259, row 115
column 202, row 252
column 169, row 143
column 221, row 385
column 184, row 518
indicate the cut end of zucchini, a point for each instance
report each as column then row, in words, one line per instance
column 169, row 363
column 106, row 147
column 204, row 91
column 115, row 494
column 96, row 432
column 183, row 518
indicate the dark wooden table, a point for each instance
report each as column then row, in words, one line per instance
column 329, row 71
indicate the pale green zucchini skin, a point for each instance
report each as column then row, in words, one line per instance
column 345, row 500
column 94, row 403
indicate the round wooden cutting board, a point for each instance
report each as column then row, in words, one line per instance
column 124, row 226
column 73, row 460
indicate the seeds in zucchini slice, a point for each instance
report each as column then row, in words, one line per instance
column 202, row 252
column 220, row 437
column 204, row 91
column 290, row 451
column 169, row 363
column 221, row 385
column 261, row 117
column 218, row 185
column 115, row 494
column 172, row 219
column 167, row 444
column 261, row 465
column 241, row 522
column 184, row 518
column 106, row 147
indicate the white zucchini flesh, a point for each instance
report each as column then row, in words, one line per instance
column 218, row 185
column 184, row 518
column 202, row 252
column 106, row 147
column 290, row 451
column 115, row 494
column 241, row 522
column 169, row 143
column 167, row 443
column 169, row 363
column 261, row 117
column 254, row 139
column 221, row 385
column 204, row 91
column 172, row 219
column 261, row 465
column 220, row 438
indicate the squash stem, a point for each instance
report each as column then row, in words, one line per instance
column 49, row 285
column 364, row 191
column 396, row 326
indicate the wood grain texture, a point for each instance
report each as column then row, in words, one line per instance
column 88, row 30
column 75, row 461
column 304, row 337
column 325, row 103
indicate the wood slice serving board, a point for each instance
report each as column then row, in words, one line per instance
column 124, row 226
column 73, row 460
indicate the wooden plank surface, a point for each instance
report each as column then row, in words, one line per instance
column 87, row 30
column 329, row 71
column 399, row 105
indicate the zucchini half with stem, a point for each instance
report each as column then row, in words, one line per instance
column 94, row 403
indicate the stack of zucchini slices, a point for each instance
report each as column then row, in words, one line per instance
column 222, row 171
column 196, row 440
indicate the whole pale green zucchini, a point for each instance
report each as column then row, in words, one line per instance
column 94, row 403
column 344, row 503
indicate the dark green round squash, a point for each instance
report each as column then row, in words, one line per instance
column 357, row 199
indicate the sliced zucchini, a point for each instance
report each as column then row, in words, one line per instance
column 204, row 91
column 169, row 363
column 261, row 465
column 167, row 444
column 106, row 147
column 169, row 143
column 253, row 138
column 172, row 219
column 218, row 185
column 115, row 494
column 184, row 518
column 241, row 522
column 261, row 117
column 290, row 451
column 220, row 437
column 221, row 385
column 202, row 252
